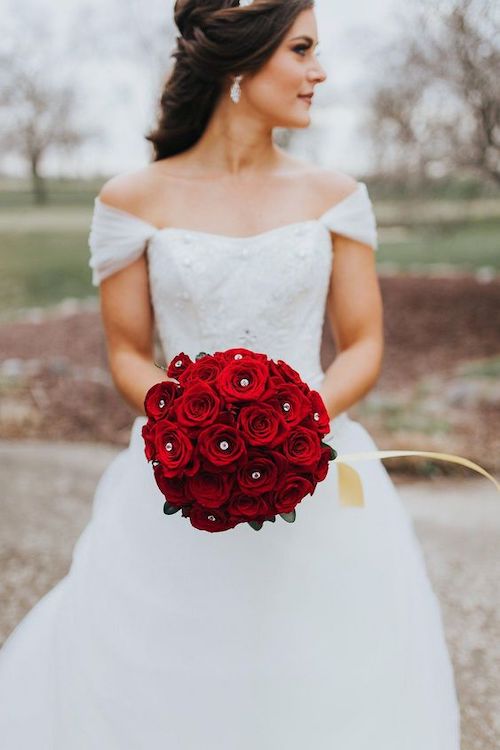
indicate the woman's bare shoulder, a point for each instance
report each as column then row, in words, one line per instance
column 125, row 190
column 132, row 191
column 331, row 186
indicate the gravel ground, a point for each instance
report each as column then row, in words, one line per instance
column 47, row 490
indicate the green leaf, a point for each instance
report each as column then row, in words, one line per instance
column 289, row 517
column 161, row 366
column 333, row 452
column 170, row 509
column 257, row 525
column 200, row 355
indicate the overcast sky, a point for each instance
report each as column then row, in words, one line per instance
column 119, row 103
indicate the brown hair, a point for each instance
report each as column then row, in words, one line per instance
column 218, row 38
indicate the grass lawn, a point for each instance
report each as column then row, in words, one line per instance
column 42, row 268
column 467, row 246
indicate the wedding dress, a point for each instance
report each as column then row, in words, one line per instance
column 324, row 633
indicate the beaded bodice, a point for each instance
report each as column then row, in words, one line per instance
column 266, row 292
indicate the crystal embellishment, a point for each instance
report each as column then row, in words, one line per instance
column 169, row 446
column 244, row 382
column 161, row 403
column 286, row 406
column 255, row 474
column 224, row 445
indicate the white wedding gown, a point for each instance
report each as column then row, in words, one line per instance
column 323, row 634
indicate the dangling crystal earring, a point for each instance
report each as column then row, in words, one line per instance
column 235, row 92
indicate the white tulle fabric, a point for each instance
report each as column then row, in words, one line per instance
column 322, row 634
column 117, row 237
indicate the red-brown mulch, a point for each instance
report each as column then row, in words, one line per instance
column 432, row 325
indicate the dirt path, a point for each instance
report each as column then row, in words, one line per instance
column 46, row 501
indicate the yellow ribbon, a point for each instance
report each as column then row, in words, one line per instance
column 351, row 486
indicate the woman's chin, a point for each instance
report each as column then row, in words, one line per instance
column 303, row 122
column 300, row 121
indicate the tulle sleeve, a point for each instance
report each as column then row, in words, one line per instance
column 354, row 217
column 116, row 239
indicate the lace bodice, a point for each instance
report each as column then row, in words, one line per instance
column 266, row 292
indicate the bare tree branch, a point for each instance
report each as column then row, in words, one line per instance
column 38, row 100
column 435, row 101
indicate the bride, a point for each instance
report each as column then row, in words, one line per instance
column 324, row 633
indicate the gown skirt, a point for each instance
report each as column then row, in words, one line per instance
column 323, row 634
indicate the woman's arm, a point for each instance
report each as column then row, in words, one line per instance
column 129, row 325
column 355, row 313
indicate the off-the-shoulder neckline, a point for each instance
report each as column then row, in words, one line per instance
column 293, row 225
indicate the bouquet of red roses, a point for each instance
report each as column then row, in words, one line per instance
column 235, row 437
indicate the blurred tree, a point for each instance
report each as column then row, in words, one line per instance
column 130, row 33
column 37, row 119
column 38, row 96
column 434, row 99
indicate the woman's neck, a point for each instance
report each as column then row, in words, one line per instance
column 235, row 144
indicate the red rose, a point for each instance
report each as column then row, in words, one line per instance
column 262, row 424
column 291, row 492
column 221, row 445
column 213, row 519
column 198, row 406
column 261, row 472
column 239, row 353
column 304, row 388
column 210, row 490
column 276, row 374
column 252, row 508
column 178, row 364
column 324, row 464
column 173, row 446
column 193, row 465
column 174, row 490
column 160, row 398
column 148, row 434
column 287, row 374
column 320, row 419
column 228, row 416
column 244, row 380
column 302, row 448
column 294, row 404
column 205, row 368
